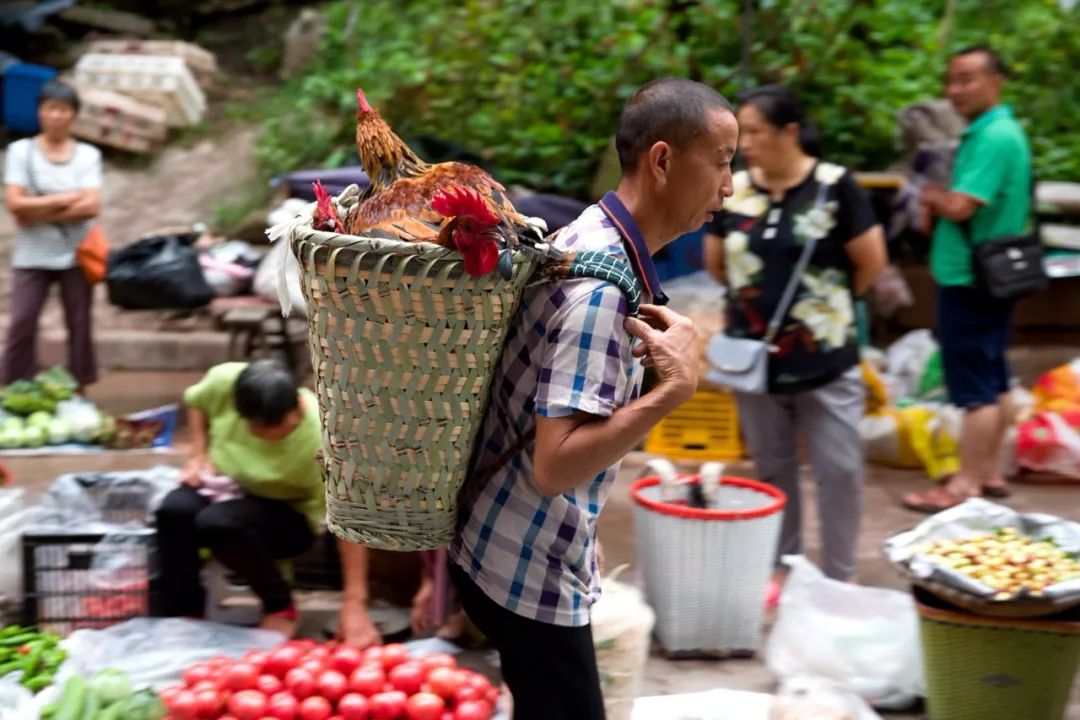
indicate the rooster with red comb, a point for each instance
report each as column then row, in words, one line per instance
column 457, row 205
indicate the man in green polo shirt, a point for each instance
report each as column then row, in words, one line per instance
column 990, row 198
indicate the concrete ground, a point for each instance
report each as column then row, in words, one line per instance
column 125, row 392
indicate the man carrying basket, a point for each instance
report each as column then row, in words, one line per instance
column 565, row 406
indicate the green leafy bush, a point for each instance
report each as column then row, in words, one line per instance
column 536, row 87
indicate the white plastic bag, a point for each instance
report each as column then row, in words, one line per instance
column 156, row 651
column 865, row 638
column 907, row 358
column 622, row 626
column 16, row 702
column 266, row 277
column 815, row 698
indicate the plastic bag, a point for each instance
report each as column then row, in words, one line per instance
column 114, row 498
column 266, row 277
column 156, row 651
column 1047, row 443
column 621, row 628
column 12, row 527
column 160, row 272
column 815, row 698
column 226, row 279
column 865, row 638
column 908, row 357
column 16, row 702
column 709, row 705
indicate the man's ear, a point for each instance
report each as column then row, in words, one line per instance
column 659, row 157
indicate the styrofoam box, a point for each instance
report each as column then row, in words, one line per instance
column 162, row 81
column 123, row 113
column 201, row 62
column 104, row 135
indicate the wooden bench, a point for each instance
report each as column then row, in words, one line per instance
column 257, row 329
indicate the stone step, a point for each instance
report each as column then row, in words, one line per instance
column 131, row 349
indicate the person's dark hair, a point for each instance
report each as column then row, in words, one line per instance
column 266, row 392
column 995, row 64
column 56, row 90
column 672, row 110
column 780, row 108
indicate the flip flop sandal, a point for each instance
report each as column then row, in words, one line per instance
column 932, row 501
column 997, row 492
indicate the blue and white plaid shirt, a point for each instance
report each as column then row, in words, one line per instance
column 568, row 352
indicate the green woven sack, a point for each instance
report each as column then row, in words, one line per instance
column 404, row 344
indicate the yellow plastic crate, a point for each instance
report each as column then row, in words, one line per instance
column 704, row 428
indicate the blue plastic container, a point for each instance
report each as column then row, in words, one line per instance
column 22, row 83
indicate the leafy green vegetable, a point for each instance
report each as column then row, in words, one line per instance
column 56, row 383
column 24, row 397
column 111, row 685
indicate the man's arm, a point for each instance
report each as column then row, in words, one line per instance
column 354, row 624
column 574, row 449
column 949, row 204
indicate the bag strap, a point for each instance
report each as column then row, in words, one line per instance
column 596, row 264
column 796, row 274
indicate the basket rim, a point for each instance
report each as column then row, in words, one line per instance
column 996, row 621
column 423, row 248
column 681, row 511
column 1025, row 607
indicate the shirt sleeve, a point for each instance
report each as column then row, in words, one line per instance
column 855, row 213
column 983, row 172
column 15, row 165
column 214, row 393
column 90, row 177
column 586, row 356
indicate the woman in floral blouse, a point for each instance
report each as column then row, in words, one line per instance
column 815, row 383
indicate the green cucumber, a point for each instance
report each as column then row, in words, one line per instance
column 70, row 706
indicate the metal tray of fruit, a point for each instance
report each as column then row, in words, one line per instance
column 993, row 560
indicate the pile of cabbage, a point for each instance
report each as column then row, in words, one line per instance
column 46, row 411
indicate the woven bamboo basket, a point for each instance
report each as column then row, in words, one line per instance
column 404, row 344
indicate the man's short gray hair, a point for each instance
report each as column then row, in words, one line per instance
column 673, row 110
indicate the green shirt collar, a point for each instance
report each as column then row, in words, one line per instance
column 987, row 117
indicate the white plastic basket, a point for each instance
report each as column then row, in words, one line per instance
column 706, row 569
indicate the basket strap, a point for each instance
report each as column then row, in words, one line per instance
column 588, row 264
column 605, row 266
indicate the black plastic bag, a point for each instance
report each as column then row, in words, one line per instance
column 158, row 273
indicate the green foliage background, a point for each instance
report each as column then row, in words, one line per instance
column 535, row 86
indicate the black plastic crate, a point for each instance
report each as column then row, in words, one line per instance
column 89, row 580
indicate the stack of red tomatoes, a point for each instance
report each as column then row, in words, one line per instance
column 303, row 680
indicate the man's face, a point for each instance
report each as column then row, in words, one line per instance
column 971, row 86
column 699, row 176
